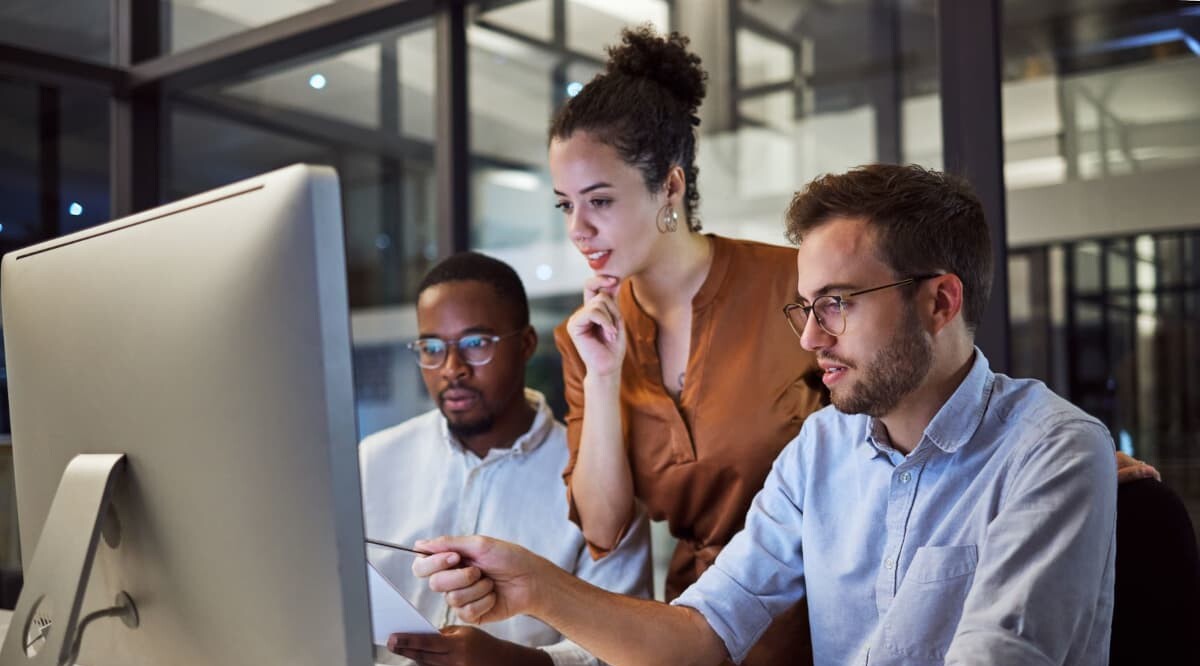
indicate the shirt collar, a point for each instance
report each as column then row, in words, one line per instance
column 955, row 423
column 543, row 422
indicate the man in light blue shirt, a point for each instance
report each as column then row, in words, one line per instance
column 936, row 513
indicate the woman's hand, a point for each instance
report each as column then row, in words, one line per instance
column 597, row 329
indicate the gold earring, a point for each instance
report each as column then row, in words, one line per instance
column 667, row 221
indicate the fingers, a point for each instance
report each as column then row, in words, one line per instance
column 424, row 567
column 467, row 595
column 431, row 643
column 1132, row 469
column 599, row 313
column 600, row 284
column 1137, row 472
column 454, row 579
column 476, row 611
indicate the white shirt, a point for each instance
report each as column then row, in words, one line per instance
column 419, row 482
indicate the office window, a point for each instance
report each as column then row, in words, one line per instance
column 191, row 23
column 71, row 28
column 1102, row 153
column 367, row 111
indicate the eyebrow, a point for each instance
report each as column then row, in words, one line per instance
column 589, row 188
column 829, row 288
column 474, row 330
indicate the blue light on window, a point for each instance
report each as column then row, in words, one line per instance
column 75, row 209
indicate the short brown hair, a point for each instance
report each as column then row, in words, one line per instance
column 925, row 222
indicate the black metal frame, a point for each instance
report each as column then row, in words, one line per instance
column 141, row 77
column 972, row 143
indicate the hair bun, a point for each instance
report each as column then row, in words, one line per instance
column 664, row 60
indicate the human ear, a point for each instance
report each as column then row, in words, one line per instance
column 529, row 340
column 675, row 185
column 947, row 300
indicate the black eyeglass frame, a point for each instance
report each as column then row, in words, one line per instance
column 840, row 301
column 415, row 348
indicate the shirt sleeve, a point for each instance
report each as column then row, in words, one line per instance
column 1045, row 573
column 573, row 373
column 626, row 569
column 760, row 574
column 567, row 653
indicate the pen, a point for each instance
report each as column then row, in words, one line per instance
column 396, row 546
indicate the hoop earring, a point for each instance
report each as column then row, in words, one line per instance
column 666, row 222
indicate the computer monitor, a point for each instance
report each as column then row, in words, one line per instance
column 208, row 341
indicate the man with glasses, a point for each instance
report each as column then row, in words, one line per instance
column 487, row 461
column 936, row 513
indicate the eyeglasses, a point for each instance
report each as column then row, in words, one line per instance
column 476, row 349
column 830, row 311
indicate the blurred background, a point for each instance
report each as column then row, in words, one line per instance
column 1078, row 120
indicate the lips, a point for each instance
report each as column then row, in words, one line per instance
column 458, row 399
column 596, row 258
column 833, row 370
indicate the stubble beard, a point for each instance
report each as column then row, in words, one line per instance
column 891, row 374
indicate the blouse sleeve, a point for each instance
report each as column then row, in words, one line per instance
column 573, row 373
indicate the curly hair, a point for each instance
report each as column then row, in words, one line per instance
column 644, row 105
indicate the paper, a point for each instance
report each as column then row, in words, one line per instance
column 391, row 613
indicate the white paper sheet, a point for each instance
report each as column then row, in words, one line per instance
column 391, row 613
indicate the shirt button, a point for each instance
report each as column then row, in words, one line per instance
column 906, row 477
column 889, row 563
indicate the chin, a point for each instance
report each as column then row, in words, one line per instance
column 469, row 427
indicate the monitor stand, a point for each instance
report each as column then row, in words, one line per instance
column 45, row 626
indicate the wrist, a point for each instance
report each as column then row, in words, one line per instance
column 596, row 384
column 547, row 588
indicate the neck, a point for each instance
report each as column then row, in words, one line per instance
column 906, row 423
column 676, row 271
column 509, row 427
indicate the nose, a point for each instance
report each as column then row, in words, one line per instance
column 579, row 228
column 455, row 366
column 813, row 337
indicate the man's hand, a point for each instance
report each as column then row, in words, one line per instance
column 464, row 646
column 483, row 580
column 1132, row 469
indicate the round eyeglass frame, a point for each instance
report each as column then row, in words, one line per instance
column 834, row 305
column 493, row 340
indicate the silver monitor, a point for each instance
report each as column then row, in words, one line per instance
column 183, row 435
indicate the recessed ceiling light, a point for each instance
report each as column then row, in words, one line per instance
column 317, row 81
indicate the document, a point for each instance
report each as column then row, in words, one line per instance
column 391, row 613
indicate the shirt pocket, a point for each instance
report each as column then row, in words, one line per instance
column 924, row 615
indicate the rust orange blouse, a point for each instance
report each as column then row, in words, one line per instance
column 745, row 396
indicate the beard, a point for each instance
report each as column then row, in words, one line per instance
column 464, row 428
column 891, row 374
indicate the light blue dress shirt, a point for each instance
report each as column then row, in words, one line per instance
column 992, row 542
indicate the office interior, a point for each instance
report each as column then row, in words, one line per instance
column 1078, row 122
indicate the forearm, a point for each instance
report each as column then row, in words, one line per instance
column 602, row 483
column 623, row 630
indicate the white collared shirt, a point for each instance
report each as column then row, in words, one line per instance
column 419, row 482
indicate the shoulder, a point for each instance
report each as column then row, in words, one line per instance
column 555, row 445
column 404, row 436
column 755, row 252
column 1030, row 406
